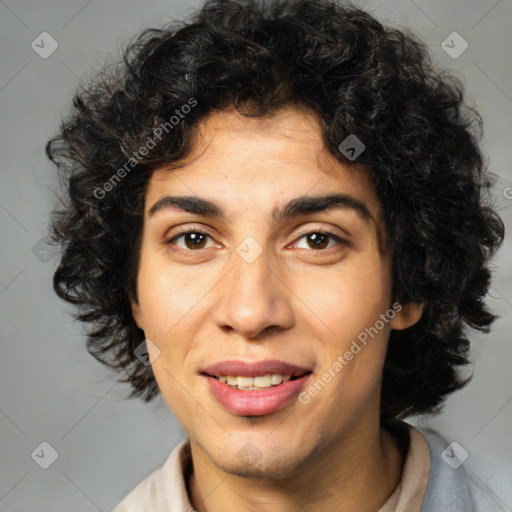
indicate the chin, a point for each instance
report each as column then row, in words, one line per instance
column 259, row 460
column 261, row 470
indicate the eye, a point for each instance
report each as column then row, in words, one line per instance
column 318, row 239
column 195, row 239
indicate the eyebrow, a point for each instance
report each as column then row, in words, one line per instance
column 302, row 205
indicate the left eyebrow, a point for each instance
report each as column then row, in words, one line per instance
column 302, row 205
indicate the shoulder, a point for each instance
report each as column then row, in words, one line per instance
column 164, row 489
column 451, row 487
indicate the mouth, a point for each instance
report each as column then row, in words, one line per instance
column 257, row 383
column 256, row 396
column 255, row 369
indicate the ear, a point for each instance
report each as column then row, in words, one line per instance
column 407, row 315
column 137, row 316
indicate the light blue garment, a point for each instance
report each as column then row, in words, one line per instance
column 455, row 490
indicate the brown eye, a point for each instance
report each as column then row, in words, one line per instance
column 193, row 239
column 319, row 240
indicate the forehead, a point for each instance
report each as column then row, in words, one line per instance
column 238, row 162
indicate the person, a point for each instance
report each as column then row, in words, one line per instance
column 276, row 214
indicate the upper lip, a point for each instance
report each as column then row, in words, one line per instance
column 254, row 369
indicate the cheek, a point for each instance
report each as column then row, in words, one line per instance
column 352, row 336
column 346, row 299
column 164, row 297
column 168, row 302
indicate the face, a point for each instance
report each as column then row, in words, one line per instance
column 250, row 286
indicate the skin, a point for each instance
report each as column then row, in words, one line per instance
column 290, row 303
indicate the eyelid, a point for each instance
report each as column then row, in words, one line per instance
column 188, row 229
column 332, row 230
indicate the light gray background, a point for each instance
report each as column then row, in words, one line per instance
column 52, row 390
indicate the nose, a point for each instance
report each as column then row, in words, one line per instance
column 252, row 298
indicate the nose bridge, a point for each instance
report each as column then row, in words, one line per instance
column 253, row 297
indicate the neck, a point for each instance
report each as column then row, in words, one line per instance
column 338, row 476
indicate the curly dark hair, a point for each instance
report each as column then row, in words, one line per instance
column 362, row 78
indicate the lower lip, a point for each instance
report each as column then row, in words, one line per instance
column 256, row 403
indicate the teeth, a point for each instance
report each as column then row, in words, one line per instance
column 254, row 383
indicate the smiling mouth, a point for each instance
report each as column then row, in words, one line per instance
column 258, row 383
column 256, row 396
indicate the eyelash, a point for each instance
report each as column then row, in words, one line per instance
column 189, row 252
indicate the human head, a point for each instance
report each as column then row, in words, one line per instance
column 361, row 78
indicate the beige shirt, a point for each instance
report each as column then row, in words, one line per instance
column 165, row 489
